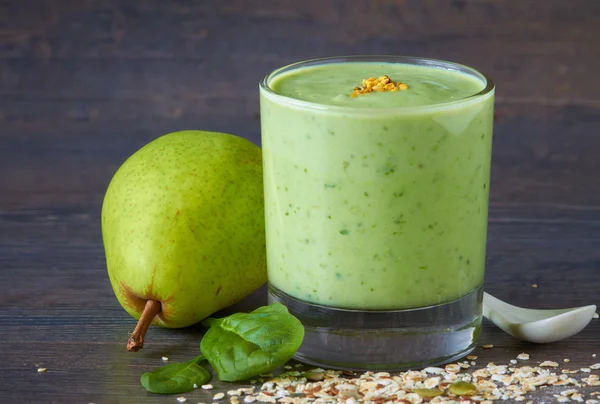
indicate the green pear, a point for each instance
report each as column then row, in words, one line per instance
column 183, row 229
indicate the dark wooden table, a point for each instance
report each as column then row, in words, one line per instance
column 83, row 84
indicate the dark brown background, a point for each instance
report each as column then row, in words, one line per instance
column 83, row 84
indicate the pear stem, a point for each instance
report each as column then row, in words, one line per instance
column 136, row 339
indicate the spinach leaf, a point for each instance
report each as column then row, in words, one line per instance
column 176, row 377
column 245, row 345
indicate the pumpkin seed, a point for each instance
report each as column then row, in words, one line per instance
column 428, row 392
column 461, row 388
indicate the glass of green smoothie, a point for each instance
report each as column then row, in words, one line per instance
column 376, row 176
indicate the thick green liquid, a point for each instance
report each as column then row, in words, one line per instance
column 332, row 85
column 370, row 206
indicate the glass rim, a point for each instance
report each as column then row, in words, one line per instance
column 488, row 88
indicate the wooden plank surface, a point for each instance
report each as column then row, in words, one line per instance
column 83, row 84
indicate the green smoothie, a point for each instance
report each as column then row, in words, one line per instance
column 377, row 201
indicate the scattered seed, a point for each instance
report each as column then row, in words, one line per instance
column 595, row 366
column 41, row 370
column 577, row 397
column 164, row 358
column 207, row 386
column 431, row 383
column 294, row 373
column 534, row 285
column 428, row 392
column 566, row 360
column 452, row 368
column 218, row 396
column 523, row 356
column 266, row 397
column 471, row 357
column 181, row 399
column 596, row 315
column 488, row 346
column 485, row 385
column 586, row 370
column 434, row 370
column 314, row 375
column 462, row 388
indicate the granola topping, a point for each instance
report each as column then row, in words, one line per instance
column 381, row 84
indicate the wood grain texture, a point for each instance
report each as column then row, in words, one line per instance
column 83, row 84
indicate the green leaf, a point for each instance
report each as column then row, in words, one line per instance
column 176, row 377
column 245, row 345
